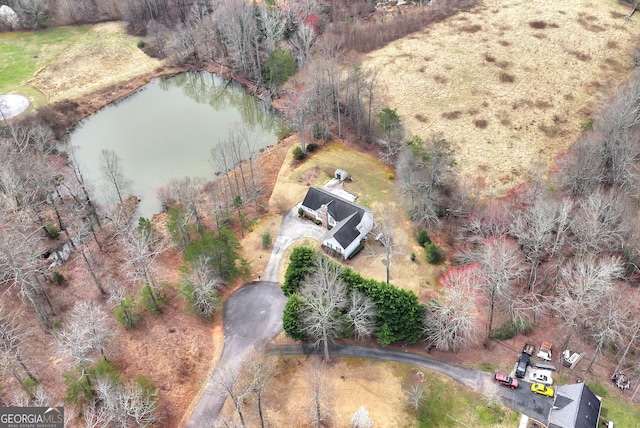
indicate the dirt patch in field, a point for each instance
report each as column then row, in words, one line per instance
column 515, row 90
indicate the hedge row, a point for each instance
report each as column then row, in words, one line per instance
column 400, row 313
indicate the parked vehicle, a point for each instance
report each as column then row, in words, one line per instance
column 541, row 376
column 505, row 380
column 571, row 360
column 524, row 360
column 529, row 349
column 541, row 389
column 545, row 351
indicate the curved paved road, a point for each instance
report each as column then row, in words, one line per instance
column 521, row 399
column 253, row 315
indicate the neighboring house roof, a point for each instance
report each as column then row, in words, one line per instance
column 346, row 214
column 575, row 406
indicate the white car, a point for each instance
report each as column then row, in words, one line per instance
column 542, row 376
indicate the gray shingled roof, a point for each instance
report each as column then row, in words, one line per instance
column 346, row 214
column 575, row 406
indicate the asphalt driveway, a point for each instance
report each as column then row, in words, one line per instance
column 522, row 399
column 253, row 315
column 292, row 228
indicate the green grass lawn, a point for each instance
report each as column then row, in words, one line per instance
column 22, row 54
column 614, row 408
column 372, row 179
column 449, row 404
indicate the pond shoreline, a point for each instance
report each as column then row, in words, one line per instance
column 68, row 113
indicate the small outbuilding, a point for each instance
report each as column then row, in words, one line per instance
column 342, row 175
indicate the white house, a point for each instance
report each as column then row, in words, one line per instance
column 347, row 223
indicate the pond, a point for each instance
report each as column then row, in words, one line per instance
column 167, row 130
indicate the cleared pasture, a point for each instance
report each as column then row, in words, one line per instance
column 510, row 83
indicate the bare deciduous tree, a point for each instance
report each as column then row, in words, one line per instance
column 384, row 231
column 534, row 228
column 617, row 129
column 303, row 43
column 361, row 419
column 581, row 171
column 139, row 405
column 325, row 298
column 362, row 315
column 583, row 282
column 415, row 397
column 631, row 335
column 426, row 170
column 143, row 247
column 123, row 405
column 202, row 286
column 112, row 173
column 450, row 322
column 228, row 378
column 273, row 23
column 500, row 265
column 260, row 369
column 87, row 331
column 600, row 225
column 608, row 323
column 319, row 409
column 185, row 192
column 12, row 333
column 299, row 111
column 237, row 25
column 20, row 266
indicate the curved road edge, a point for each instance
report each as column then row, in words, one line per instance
column 521, row 399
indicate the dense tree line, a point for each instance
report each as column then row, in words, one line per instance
column 565, row 245
column 50, row 217
column 348, row 301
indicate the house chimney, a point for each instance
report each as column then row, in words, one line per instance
column 324, row 215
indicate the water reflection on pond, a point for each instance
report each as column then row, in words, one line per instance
column 166, row 130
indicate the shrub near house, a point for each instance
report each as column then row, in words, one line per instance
column 399, row 313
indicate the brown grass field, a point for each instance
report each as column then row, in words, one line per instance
column 104, row 57
column 509, row 83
